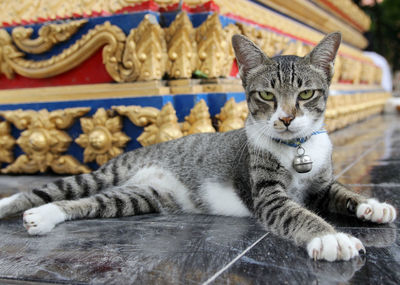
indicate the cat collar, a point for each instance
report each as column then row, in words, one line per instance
column 298, row 141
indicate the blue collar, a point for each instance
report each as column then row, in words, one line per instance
column 298, row 141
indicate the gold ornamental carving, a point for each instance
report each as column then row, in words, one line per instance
column 102, row 138
column 119, row 59
column 7, row 143
column 43, row 141
column 165, row 128
column 140, row 116
column 212, row 46
column 151, row 49
column 337, row 69
column 232, row 116
column 182, row 47
column 49, row 35
column 229, row 57
column 198, row 121
column 347, row 72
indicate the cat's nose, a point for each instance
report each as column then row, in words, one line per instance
column 286, row 120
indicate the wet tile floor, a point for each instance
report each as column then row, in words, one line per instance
column 199, row 249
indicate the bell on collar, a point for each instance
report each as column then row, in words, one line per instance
column 302, row 163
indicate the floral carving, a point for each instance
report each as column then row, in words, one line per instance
column 102, row 138
column 43, row 142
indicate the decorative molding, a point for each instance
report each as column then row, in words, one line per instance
column 43, row 141
column 301, row 10
column 7, row 143
column 198, row 121
column 345, row 109
column 347, row 11
column 102, row 138
column 148, row 52
column 49, row 35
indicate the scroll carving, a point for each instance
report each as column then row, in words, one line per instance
column 43, row 141
column 140, row 116
column 49, row 35
column 165, row 128
column 119, row 62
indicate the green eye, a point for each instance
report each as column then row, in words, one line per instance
column 307, row 94
column 267, row 96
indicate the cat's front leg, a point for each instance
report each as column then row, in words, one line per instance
column 284, row 217
column 345, row 201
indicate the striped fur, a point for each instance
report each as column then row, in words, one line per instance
column 238, row 173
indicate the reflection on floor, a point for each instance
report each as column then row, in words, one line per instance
column 153, row 249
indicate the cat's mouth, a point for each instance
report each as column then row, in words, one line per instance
column 284, row 131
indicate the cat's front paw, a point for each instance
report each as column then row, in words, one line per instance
column 333, row 247
column 376, row 212
column 41, row 220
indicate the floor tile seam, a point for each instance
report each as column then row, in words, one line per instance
column 219, row 272
column 348, row 167
column 387, row 185
column 36, row 281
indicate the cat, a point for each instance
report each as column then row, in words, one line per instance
column 245, row 172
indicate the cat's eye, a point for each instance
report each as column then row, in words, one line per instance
column 307, row 94
column 267, row 96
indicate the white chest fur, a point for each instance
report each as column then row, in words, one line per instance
column 318, row 147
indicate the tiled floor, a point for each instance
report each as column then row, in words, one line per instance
column 155, row 249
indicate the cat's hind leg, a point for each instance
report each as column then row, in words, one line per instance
column 68, row 188
column 129, row 201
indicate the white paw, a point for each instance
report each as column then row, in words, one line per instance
column 41, row 220
column 333, row 247
column 6, row 202
column 376, row 212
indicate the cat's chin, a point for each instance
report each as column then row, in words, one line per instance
column 286, row 134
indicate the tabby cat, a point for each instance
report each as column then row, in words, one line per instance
column 246, row 172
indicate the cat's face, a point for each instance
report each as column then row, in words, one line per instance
column 286, row 95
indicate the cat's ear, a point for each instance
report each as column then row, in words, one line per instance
column 248, row 55
column 323, row 55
